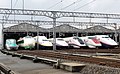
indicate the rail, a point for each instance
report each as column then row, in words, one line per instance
column 35, row 58
column 5, row 70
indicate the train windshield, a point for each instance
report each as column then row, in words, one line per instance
column 11, row 41
column 81, row 42
column 20, row 42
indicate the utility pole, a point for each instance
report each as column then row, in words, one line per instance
column 107, row 19
column 37, row 36
column 26, row 26
column 54, row 30
column 23, row 5
column 73, row 19
column 115, row 32
column 119, row 36
column 11, row 4
column 2, row 34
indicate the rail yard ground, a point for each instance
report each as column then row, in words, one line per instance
column 28, row 67
column 97, row 61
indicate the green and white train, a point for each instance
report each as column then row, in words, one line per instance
column 10, row 44
column 27, row 42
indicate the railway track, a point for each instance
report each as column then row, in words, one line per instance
column 70, row 56
column 114, row 51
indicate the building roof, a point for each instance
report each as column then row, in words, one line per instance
column 24, row 27
column 66, row 28
column 118, row 30
column 98, row 29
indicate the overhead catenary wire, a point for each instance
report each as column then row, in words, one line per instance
column 73, row 3
column 14, row 6
column 68, row 6
column 84, row 5
column 15, row 3
column 6, row 17
column 55, row 4
column 59, row 2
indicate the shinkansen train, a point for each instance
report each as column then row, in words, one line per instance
column 60, row 43
column 74, row 42
column 43, row 42
column 91, row 41
column 26, row 42
column 106, row 41
column 10, row 44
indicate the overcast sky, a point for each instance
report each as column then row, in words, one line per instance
column 101, row 6
column 107, row 6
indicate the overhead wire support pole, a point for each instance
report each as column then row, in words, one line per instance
column 23, row 5
column 2, row 45
column 54, row 30
column 37, row 35
column 115, row 32
column 11, row 4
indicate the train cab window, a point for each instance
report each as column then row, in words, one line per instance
column 44, row 40
column 76, row 38
column 60, row 39
column 13, row 41
column 28, row 37
column 81, row 42
column 105, row 37
column 91, row 37
column 20, row 42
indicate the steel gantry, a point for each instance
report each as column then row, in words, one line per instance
column 57, row 14
column 40, row 23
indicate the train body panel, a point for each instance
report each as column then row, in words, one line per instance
column 10, row 44
column 61, row 42
column 106, row 41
